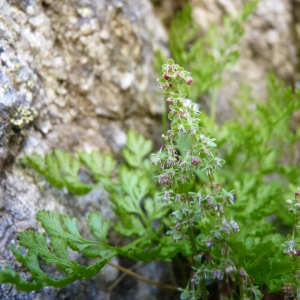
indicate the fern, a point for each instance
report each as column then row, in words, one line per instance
column 132, row 193
column 60, row 169
column 52, row 248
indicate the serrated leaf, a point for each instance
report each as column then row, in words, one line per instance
column 155, row 210
column 136, row 149
column 34, row 268
column 95, row 252
column 61, row 170
column 98, row 226
column 263, row 248
column 35, row 161
column 51, row 172
column 129, row 226
column 279, row 268
column 8, row 275
column 259, row 270
column 60, row 248
column 70, row 224
column 75, row 186
column 130, row 158
column 17, row 251
column 87, row 272
column 52, row 223
column 101, row 166
column 135, row 184
column 136, row 253
column 37, row 245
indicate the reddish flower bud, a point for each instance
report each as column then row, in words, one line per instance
column 165, row 181
column 287, row 288
column 190, row 80
column 195, row 161
column 166, row 76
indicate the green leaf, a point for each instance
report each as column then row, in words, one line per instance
column 129, row 226
column 51, row 172
column 136, row 253
column 62, row 232
column 136, row 149
column 38, row 246
column 136, row 186
column 35, row 161
column 53, row 224
column 101, row 166
column 87, row 272
column 61, row 170
column 8, row 275
column 98, row 226
column 155, row 210
column 34, row 268
column 70, row 223
column 170, row 61
column 59, row 247
column 75, row 186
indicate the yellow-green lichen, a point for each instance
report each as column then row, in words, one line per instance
column 23, row 116
column 30, row 84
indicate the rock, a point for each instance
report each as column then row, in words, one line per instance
column 268, row 44
column 87, row 68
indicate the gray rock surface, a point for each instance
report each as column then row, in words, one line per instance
column 87, row 68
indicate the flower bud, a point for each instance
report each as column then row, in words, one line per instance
column 166, row 76
column 209, row 243
column 218, row 274
column 243, row 273
column 189, row 80
column 195, row 161
column 165, row 181
column 287, row 288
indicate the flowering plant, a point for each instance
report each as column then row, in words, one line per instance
column 192, row 211
column 200, row 223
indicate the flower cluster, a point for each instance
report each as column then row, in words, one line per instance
column 292, row 249
column 178, row 167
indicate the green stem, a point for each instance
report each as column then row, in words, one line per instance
column 193, row 243
column 203, row 290
column 139, row 277
column 133, row 243
column 194, row 249
column 164, row 117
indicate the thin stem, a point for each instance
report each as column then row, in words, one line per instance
column 193, row 244
column 203, row 290
column 120, row 278
column 133, row 274
column 132, row 243
column 164, row 117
